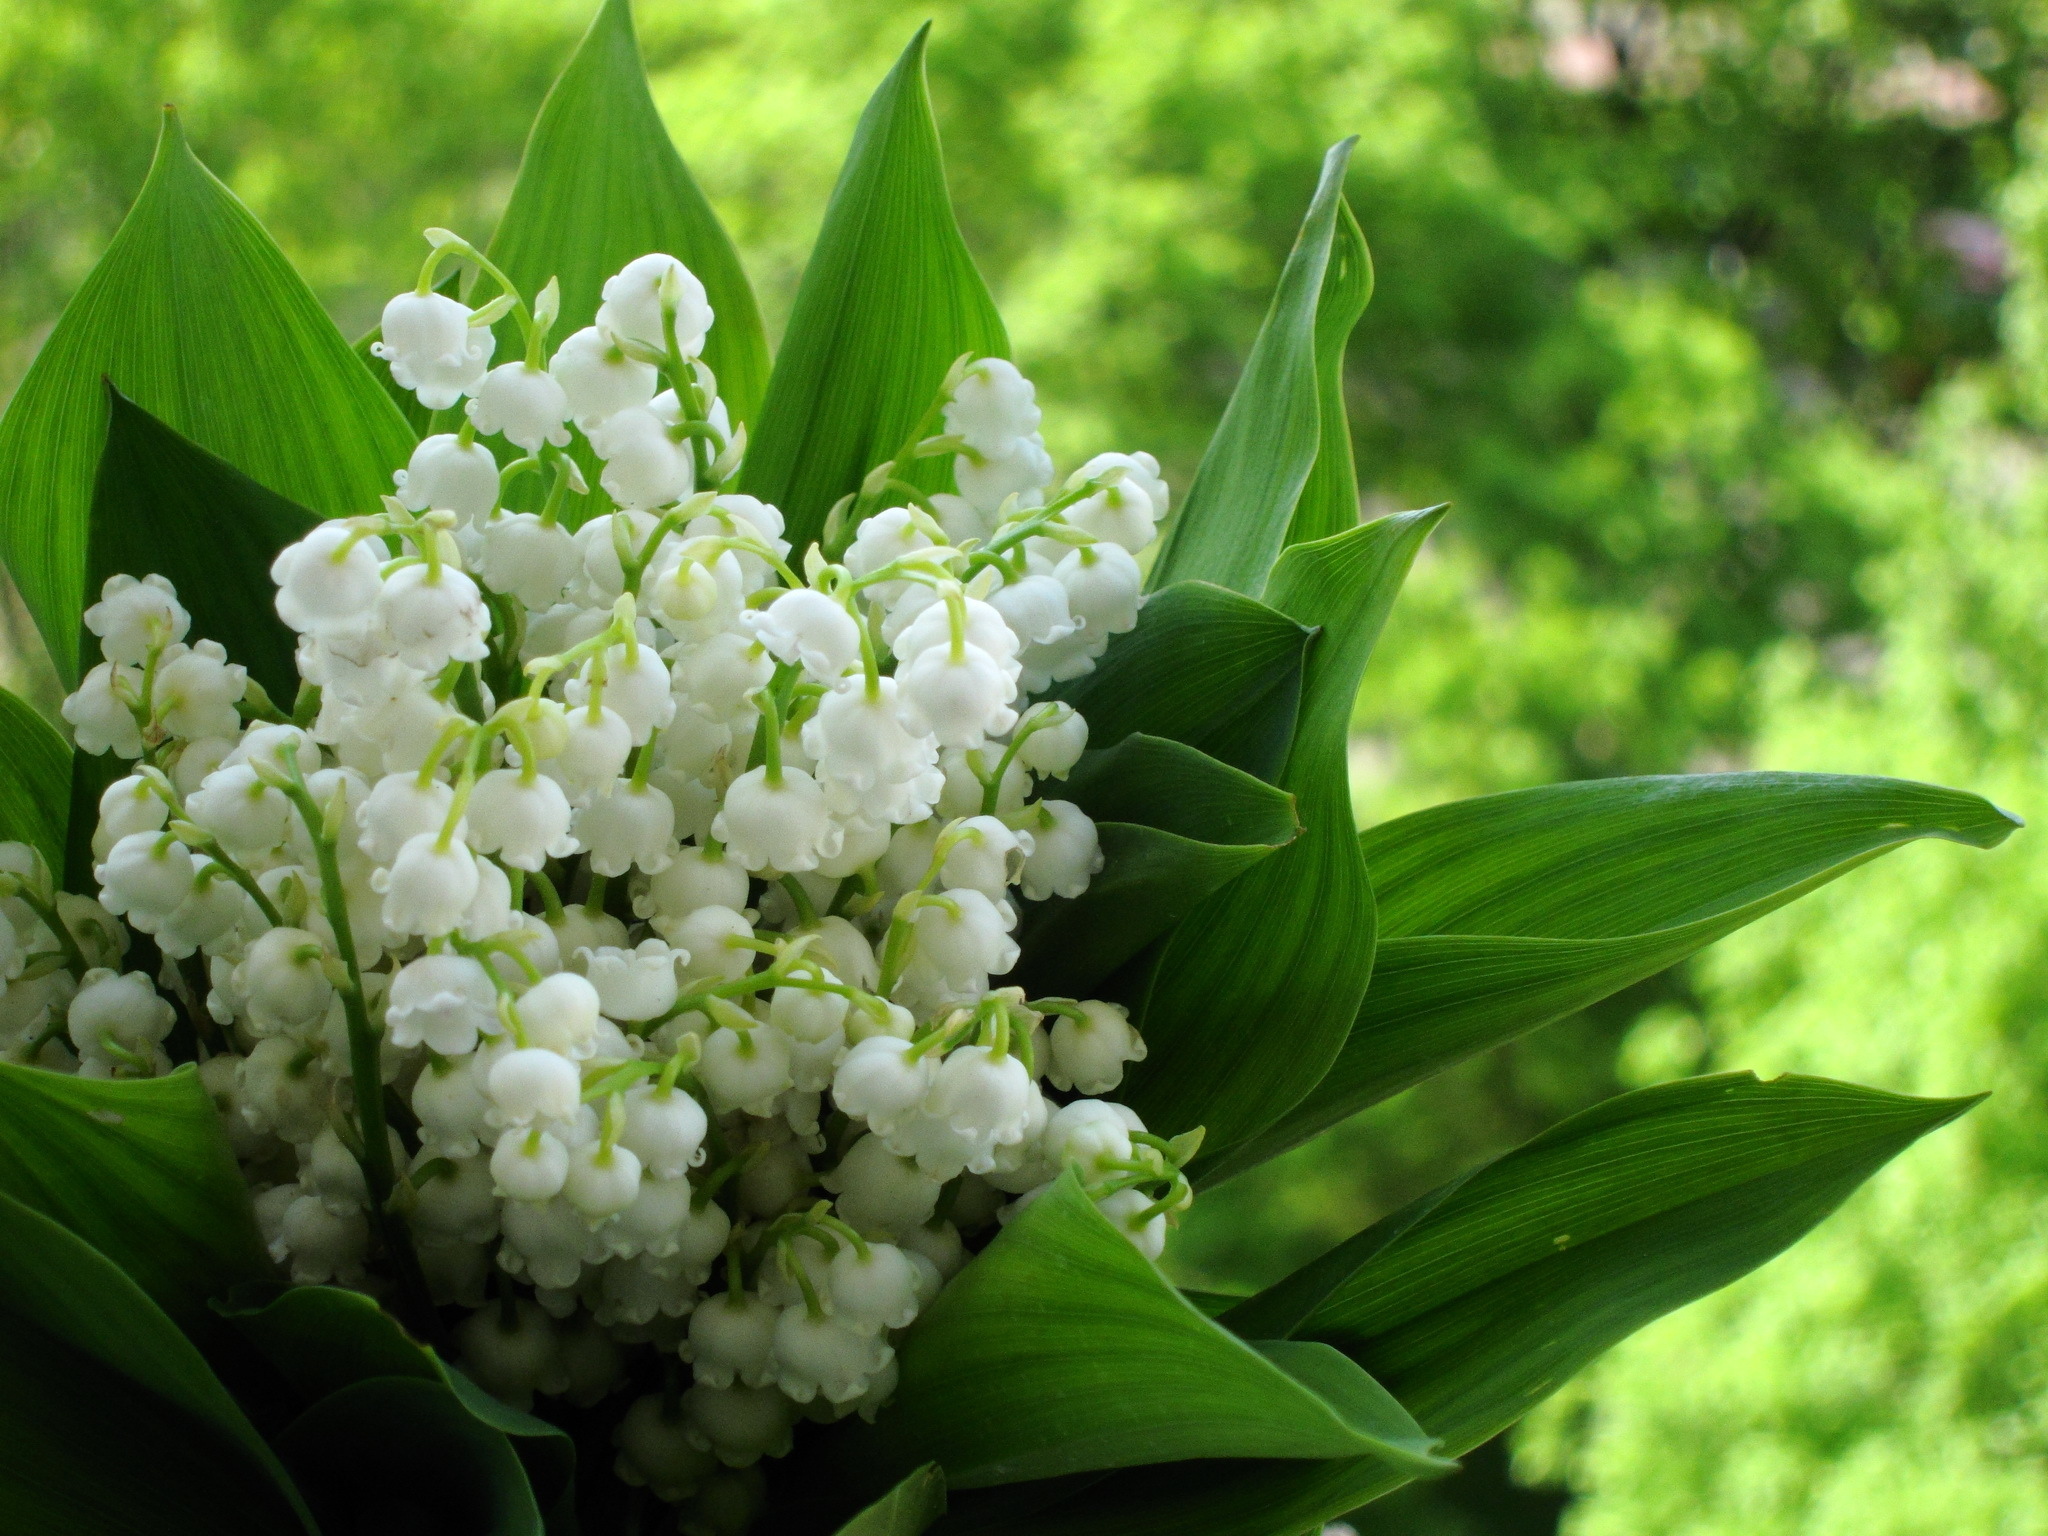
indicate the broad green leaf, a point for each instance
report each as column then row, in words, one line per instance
column 163, row 504
column 600, row 184
column 1329, row 500
column 323, row 1339
column 110, row 1422
column 142, row 1172
column 1175, row 825
column 1501, row 914
column 1254, row 993
column 1062, row 1349
column 35, row 781
column 196, row 316
column 401, row 1453
column 1235, row 518
column 890, row 298
column 1488, row 1294
column 1206, row 666
column 904, row 1510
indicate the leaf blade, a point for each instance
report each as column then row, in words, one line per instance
column 35, row 780
column 889, row 299
column 905, row 1510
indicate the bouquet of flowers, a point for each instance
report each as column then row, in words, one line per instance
column 625, row 941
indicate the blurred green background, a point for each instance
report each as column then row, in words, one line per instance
column 1721, row 326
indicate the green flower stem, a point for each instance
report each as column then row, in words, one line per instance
column 415, row 1306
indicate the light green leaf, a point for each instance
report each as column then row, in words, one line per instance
column 1175, row 825
column 1329, row 499
column 889, row 300
column 1207, row 666
column 1256, row 990
column 1500, row 914
column 35, row 780
column 196, row 316
column 142, row 1172
column 600, row 184
column 904, row 1510
column 110, row 1422
column 1237, row 514
column 397, row 1452
column 1470, row 1308
column 1062, row 1349
column 163, row 504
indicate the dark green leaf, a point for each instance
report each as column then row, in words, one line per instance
column 163, row 504
column 1500, row 914
column 399, row 1453
column 1175, row 825
column 601, row 184
column 1236, row 515
column 1257, row 989
column 1329, row 500
column 904, row 1510
column 197, row 317
column 1206, row 666
column 889, row 300
column 1486, row 1295
column 142, row 1172
column 1062, row 1349
column 35, row 781
column 110, row 1422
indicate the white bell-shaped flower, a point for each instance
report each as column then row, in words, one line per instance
column 739, row 1425
column 1035, row 608
column 880, row 1081
column 1065, row 851
column 878, row 1191
column 116, row 1008
column 633, row 985
column 745, row 1069
column 213, row 910
column 881, row 540
column 696, row 877
column 732, row 1339
column 524, row 821
column 1088, row 1134
column 429, row 887
column 636, row 686
column 825, row 1356
column 442, row 1002
column 719, row 675
column 320, row 1245
column 458, row 1204
column 646, row 464
column 1123, row 513
column 1052, row 750
column 449, row 1102
column 655, row 1451
column 129, row 805
column 1126, row 1210
column 1021, row 470
column 550, row 1241
column 717, row 940
column 434, row 616
column 860, row 742
column 399, row 809
column 197, row 690
column 653, row 1223
column 133, row 618
column 1089, row 1057
column 527, row 404
column 959, row 696
column 631, row 827
column 530, row 559
column 331, row 575
column 531, row 1084
column 560, row 1013
column 992, row 406
column 666, row 1128
column 144, row 878
column 239, row 809
column 100, row 712
column 979, row 1093
column 876, row 1290
column 965, row 937
column 432, row 348
column 283, row 976
column 603, row 1179
column 811, row 628
column 595, row 749
column 599, row 379
column 782, row 826
column 636, row 295
column 448, row 474
column 986, row 856
column 1104, row 588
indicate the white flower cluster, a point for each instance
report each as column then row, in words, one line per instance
column 619, row 912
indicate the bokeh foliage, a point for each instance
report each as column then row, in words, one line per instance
column 1664, row 293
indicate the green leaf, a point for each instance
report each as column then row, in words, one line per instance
column 163, row 504
column 1207, row 666
column 1501, row 914
column 600, row 184
column 1329, row 499
column 1254, row 993
column 1237, row 513
column 110, row 1422
column 323, row 1339
column 1062, row 1349
column 904, row 1510
column 1516, row 1278
column 890, row 298
column 1470, row 1308
column 35, row 780
column 195, row 315
column 142, row 1172
column 1175, row 825
column 397, row 1452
